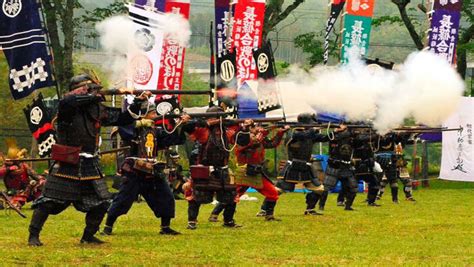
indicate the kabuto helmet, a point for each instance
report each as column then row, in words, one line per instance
column 306, row 118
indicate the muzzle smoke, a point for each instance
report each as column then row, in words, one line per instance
column 425, row 87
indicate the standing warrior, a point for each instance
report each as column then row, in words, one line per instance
column 366, row 168
column 341, row 150
column 298, row 168
column 75, row 177
column 143, row 174
column 390, row 157
column 211, row 176
column 250, row 160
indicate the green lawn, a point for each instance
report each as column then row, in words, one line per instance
column 437, row 230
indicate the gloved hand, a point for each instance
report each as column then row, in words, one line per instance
column 144, row 123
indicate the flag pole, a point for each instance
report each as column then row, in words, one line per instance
column 50, row 50
column 212, row 72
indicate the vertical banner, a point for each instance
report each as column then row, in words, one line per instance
column 23, row 41
column 357, row 26
column 444, row 32
column 225, row 57
column 144, row 64
column 457, row 161
column 267, row 93
column 336, row 8
column 247, row 36
column 172, row 57
column 39, row 122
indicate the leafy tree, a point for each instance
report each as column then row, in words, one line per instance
column 275, row 13
column 466, row 33
column 63, row 24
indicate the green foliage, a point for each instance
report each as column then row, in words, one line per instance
column 310, row 44
column 437, row 230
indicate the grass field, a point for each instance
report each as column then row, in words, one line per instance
column 436, row 230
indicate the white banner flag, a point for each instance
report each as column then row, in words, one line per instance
column 457, row 161
column 144, row 62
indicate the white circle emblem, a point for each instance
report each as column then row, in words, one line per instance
column 262, row 62
column 227, row 70
column 163, row 108
column 11, row 8
column 36, row 114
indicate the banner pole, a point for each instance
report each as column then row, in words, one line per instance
column 50, row 50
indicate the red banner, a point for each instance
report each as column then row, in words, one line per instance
column 172, row 56
column 247, row 36
column 363, row 8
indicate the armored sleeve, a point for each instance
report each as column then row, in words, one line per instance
column 274, row 141
column 311, row 134
column 116, row 117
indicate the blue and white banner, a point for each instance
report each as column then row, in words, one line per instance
column 23, row 41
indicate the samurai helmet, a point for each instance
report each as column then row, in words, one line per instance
column 306, row 117
column 85, row 79
column 13, row 151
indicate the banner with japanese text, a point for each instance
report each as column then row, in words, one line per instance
column 247, row 36
column 357, row 26
column 444, row 32
column 172, row 57
column 457, row 158
column 356, row 34
column 144, row 63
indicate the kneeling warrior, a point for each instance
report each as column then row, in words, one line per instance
column 299, row 169
column 23, row 184
column 143, row 174
column 211, row 176
column 75, row 178
column 390, row 157
column 250, row 160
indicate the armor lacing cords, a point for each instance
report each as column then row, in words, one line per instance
column 330, row 133
column 172, row 131
column 222, row 137
column 370, row 143
column 139, row 115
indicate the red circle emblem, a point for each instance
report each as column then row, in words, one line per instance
column 142, row 69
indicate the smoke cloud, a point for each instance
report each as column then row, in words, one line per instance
column 425, row 87
column 117, row 38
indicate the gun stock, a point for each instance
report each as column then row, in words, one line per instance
column 11, row 205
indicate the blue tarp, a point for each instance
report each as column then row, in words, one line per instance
column 248, row 104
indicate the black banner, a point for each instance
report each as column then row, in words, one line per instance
column 40, row 124
column 336, row 8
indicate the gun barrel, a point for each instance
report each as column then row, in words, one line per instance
column 115, row 150
column 157, row 92
column 197, row 115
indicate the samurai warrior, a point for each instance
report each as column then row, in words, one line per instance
column 174, row 171
column 366, row 168
column 250, row 170
column 299, row 169
column 340, row 167
column 22, row 183
column 211, row 176
column 75, row 177
column 390, row 157
column 144, row 174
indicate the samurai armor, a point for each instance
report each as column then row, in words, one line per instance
column 74, row 190
column 249, row 175
column 298, row 171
